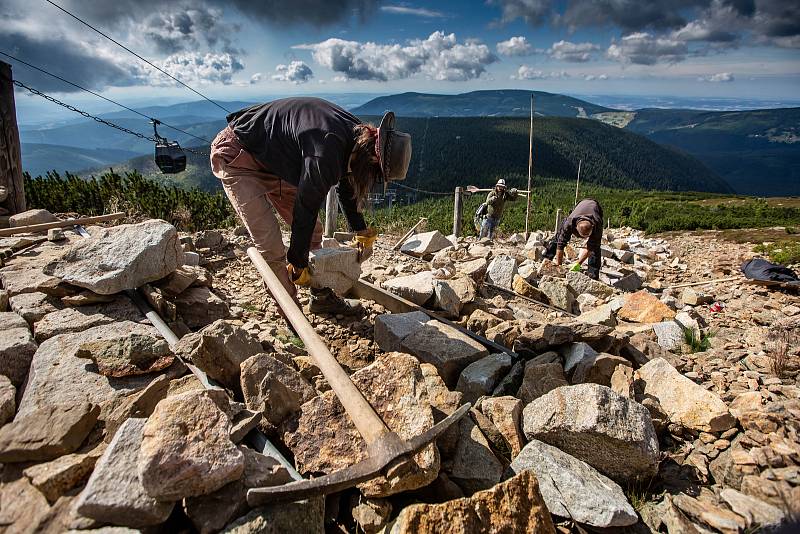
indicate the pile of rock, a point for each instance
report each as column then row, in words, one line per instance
column 102, row 425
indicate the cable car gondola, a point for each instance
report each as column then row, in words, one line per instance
column 169, row 155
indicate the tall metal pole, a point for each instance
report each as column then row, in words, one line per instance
column 578, row 183
column 12, row 188
column 530, row 170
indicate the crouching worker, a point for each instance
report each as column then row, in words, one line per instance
column 495, row 203
column 284, row 156
column 585, row 221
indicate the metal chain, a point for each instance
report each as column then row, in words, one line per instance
column 97, row 119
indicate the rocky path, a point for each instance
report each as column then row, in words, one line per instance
column 620, row 405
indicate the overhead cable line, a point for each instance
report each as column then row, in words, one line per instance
column 97, row 119
column 137, row 55
column 103, row 97
column 420, row 190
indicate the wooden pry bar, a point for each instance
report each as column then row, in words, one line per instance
column 5, row 232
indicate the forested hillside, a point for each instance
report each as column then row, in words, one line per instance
column 460, row 151
column 495, row 103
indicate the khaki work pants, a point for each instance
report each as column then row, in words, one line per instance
column 256, row 195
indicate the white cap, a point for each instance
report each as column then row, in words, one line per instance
column 500, row 182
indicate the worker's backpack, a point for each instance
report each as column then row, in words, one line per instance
column 480, row 214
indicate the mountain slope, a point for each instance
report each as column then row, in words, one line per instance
column 38, row 158
column 460, row 151
column 757, row 152
column 493, row 103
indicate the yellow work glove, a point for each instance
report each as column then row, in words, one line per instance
column 299, row 277
column 363, row 242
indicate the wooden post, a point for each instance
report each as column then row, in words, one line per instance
column 530, row 170
column 578, row 183
column 458, row 210
column 558, row 218
column 12, row 187
column 331, row 211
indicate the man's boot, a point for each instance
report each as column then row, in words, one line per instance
column 324, row 300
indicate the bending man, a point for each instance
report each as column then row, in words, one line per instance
column 285, row 155
column 495, row 203
column 585, row 221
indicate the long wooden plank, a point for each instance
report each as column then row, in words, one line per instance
column 5, row 232
column 395, row 304
column 715, row 281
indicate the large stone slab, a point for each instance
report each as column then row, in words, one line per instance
column 603, row 315
column 475, row 269
column 199, row 307
column 17, row 347
column 451, row 295
column 598, row 370
column 58, row 376
column 132, row 354
column 47, row 433
column 474, row 466
column 480, row 378
column 273, row 388
column 417, row 288
column 558, row 292
column 392, row 328
column 8, row 403
column 186, row 448
column 25, row 275
column 324, row 439
column 505, row 412
column 120, row 257
column 114, row 493
column 573, row 489
column 445, row 347
column 685, row 402
column 210, row 513
column 425, row 243
column 540, row 379
column 583, row 284
column 514, row 507
column 336, row 268
column 57, row 477
column 219, row 349
column 306, row 516
column 643, row 307
column 609, row 432
column 33, row 306
column 69, row 320
column 34, row 216
column 501, row 271
column 670, row 335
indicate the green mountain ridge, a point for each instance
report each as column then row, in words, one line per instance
column 449, row 152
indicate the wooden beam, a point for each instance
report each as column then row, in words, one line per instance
column 458, row 210
column 10, row 156
column 715, row 281
column 5, row 232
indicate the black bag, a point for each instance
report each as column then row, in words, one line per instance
column 761, row 269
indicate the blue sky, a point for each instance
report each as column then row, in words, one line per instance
column 245, row 50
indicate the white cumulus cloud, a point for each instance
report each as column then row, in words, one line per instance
column 643, row 48
column 516, row 46
column 196, row 67
column 439, row 57
column 720, row 77
column 295, row 72
column 526, row 72
column 572, row 52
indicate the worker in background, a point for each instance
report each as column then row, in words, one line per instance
column 495, row 202
column 284, row 156
column 585, row 221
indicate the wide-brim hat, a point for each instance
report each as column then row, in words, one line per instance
column 393, row 148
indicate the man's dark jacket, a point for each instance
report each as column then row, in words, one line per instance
column 307, row 142
column 586, row 210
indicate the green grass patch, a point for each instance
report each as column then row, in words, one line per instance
column 697, row 342
column 784, row 252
